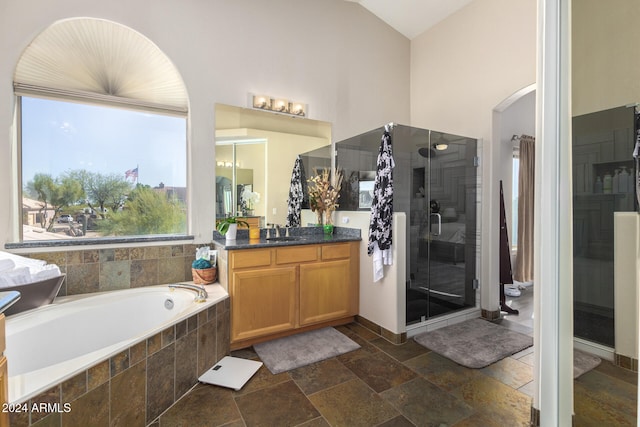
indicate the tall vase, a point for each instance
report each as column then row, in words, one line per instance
column 231, row 232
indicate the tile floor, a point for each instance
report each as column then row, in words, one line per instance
column 382, row 384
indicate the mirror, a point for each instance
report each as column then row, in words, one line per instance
column 255, row 154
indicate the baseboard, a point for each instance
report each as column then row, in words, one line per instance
column 626, row 362
column 392, row 337
column 490, row 315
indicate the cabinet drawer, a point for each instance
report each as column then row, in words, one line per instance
column 296, row 254
column 336, row 251
column 251, row 258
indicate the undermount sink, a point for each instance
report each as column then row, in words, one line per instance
column 284, row 238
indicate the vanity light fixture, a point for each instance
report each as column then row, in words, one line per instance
column 278, row 105
column 281, row 106
column 298, row 109
column 441, row 146
column 262, row 101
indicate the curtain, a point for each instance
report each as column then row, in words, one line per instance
column 523, row 271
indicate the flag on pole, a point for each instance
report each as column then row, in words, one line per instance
column 131, row 173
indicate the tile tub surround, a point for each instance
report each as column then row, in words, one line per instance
column 98, row 270
column 135, row 386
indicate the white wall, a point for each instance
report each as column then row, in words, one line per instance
column 461, row 70
column 350, row 67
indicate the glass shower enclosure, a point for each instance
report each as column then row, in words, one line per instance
column 603, row 171
column 436, row 186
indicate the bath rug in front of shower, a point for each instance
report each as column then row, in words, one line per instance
column 583, row 362
column 474, row 343
column 295, row 351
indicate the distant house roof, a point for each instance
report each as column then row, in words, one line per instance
column 30, row 204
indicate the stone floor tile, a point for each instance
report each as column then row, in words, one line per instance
column 353, row 404
column 441, row 371
column 380, row 371
column 321, row 375
column 509, row 371
column 403, row 352
column 424, row 404
column 283, row 404
column 507, row 405
column 204, row 405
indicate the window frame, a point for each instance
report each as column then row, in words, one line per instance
column 107, row 101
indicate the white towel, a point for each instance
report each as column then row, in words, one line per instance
column 21, row 261
column 7, row 264
column 380, row 259
column 17, row 270
column 17, row 276
column 49, row 271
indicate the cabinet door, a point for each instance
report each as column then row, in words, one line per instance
column 263, row 302
column 326, row 291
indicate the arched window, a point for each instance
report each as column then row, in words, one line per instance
column 103, row 134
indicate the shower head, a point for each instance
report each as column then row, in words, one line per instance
column 426, row 152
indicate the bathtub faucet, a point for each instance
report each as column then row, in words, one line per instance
column 202, row 293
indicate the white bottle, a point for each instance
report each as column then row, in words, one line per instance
column 615, row 181
column 598, row 187
column 606, row 183
column 623, row 180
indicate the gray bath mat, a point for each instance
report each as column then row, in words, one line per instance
column 295, row 351
column 474, row 343
column 583, row 362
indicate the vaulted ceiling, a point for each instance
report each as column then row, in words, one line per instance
column 412, row 17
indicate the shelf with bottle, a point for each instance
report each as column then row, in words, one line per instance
column 614, row 178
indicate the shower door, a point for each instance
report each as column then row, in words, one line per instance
column 442, row 223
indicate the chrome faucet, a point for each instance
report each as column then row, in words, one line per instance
column 277, row 230
column 202, row 293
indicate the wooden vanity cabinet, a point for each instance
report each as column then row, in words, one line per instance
column 283, row 290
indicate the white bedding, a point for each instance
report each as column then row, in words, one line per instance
column 453, row 232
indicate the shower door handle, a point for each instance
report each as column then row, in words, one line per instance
column 439, row 224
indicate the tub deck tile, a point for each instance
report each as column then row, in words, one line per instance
column 74, row 387
column 119, row 362
column 98, row 374
column 91, row 409
column 128, row 397
column 160, row 381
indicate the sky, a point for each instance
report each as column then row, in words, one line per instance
column 58, row 137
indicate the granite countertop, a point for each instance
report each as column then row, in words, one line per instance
column 297, row 236
column 7, row 299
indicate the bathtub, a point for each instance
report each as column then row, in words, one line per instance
column 50, row 344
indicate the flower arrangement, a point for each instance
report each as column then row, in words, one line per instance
column 323, row 196
column 249, row 199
